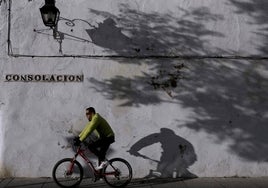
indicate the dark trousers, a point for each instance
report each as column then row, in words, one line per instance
column 100, row 147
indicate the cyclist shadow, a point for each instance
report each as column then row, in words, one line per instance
column 178, row 154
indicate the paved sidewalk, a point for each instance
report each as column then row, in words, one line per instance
column 259, row 182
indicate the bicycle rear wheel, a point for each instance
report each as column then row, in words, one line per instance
column 67, row 173
column 118, row 173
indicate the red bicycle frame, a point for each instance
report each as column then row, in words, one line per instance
column 81, row 152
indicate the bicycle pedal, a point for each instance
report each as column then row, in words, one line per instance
column 98, row 177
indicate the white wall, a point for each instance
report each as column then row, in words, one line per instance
column 212, row 124
column 1, row 143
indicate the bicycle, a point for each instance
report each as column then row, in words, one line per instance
column 68, row 172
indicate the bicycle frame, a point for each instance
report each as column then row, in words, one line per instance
column 118, row 173
column 81, row 152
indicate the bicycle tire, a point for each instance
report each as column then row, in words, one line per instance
column 124, row 170
column 63, row 180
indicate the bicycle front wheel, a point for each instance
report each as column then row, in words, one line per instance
column 67, row 173
column 118, row 173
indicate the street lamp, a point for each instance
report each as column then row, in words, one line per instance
column 50, row 14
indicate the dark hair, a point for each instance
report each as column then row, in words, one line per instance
column 91, row 109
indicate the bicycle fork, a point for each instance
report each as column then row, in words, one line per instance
column 71, row 167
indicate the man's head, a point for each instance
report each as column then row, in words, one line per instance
column 90, row 112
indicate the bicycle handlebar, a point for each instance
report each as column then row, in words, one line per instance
column 137, row 154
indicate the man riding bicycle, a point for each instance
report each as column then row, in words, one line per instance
column 106, row 136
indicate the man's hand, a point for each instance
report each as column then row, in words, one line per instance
column 77, row 141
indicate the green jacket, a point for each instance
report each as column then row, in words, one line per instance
column 97, row 123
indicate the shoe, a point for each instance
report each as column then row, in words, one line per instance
column 102, row 165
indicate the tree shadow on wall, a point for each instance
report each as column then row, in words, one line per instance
column 131, row 91
column 109, row 36
column 227, row 98
column 230, row 100
column 138, row 34
column 178, row 154
column 135, row 33
column 257, row 10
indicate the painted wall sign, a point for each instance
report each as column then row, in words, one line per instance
column 43, row 78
